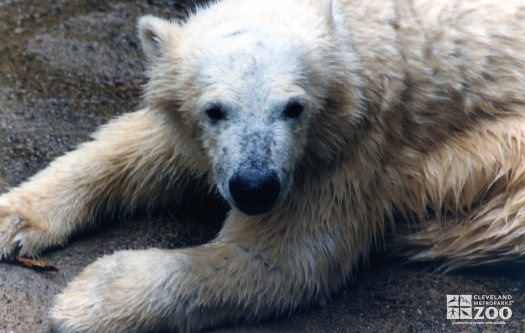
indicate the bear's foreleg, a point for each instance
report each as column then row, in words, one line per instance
column 256, row 267
column 126, row 165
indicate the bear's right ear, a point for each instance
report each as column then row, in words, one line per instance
column 157, row 36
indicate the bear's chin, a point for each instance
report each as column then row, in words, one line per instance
column 254, row 210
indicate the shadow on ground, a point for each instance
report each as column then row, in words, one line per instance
column 67, row 67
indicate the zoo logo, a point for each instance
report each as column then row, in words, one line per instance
column 462, row 307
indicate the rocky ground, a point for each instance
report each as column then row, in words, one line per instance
column 67, row 67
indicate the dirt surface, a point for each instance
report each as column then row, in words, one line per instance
column 67, row 67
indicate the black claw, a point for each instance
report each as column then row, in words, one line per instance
column 16, row 250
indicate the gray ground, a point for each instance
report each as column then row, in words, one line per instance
column 68, row 66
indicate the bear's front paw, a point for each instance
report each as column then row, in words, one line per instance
column 128, row 291
column 86, row 303
column 19, row 236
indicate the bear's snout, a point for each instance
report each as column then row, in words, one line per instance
column 255, row 191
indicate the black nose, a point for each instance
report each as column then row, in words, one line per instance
column 255, row 191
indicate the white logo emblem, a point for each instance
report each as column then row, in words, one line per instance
column 465, row 309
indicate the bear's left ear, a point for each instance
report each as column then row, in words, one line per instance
column 157, row 36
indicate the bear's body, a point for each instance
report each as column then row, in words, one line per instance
column 331, row 117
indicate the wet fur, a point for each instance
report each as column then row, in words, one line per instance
column 420, row 113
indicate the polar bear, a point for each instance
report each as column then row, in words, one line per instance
column 318, row 121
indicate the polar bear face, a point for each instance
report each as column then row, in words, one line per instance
column 252, row 112
column 245, row 93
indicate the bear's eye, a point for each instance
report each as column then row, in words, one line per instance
column 293, row 110
column 215, row 113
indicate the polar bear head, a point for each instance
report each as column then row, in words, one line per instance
column 248, row 80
